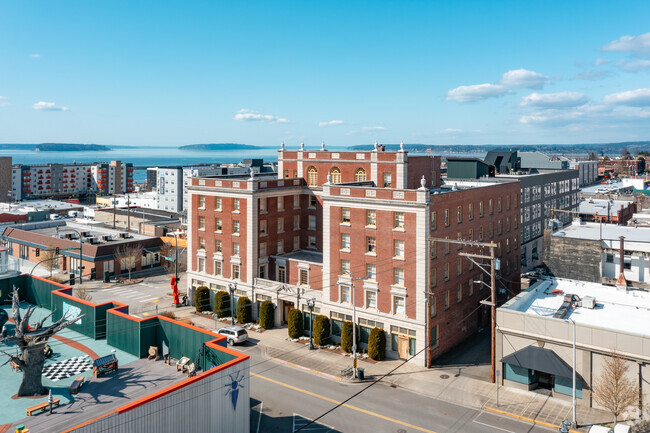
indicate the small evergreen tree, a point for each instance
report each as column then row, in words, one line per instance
column 295, row 323
column 202, row 299
column 244, row 313
column 222, row 304
column 346, row 337
column 267, row 315
column 377, row 344
column 321, row 329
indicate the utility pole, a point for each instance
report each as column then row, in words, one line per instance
column 232, row 287
column 128, row 213
column 354, row 323
column 114, row 209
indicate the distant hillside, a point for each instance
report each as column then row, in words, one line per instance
column 606, row 148
column 218, row 146
column 70, row 147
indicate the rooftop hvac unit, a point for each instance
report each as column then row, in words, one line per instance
column 85, row 234
column 63, row 235
column 124, row 235
column 106, row 238
column 589, row 302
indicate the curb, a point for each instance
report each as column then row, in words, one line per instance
column 306, row 369
column 523, row 418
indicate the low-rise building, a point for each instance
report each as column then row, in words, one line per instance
column 149, row 222
column 587, row 171
column 607, row 211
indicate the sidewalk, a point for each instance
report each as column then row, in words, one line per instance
column 441, row 383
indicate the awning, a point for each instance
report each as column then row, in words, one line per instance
column 539, row 359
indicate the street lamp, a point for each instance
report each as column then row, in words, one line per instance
column 573, row 394
column 59, row 230
column 311, row 303
column 176, row 248
column 232, row 287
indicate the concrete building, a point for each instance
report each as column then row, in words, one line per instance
column 149, row 222
column 5, row 178
column 607, row 211
column 598, row 247
column 541, row 161
column 587, row 171
column 503, row 162
column 328, row 218
column 147, row 200
column 70, row 180
column 535, row 332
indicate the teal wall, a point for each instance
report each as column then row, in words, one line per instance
column 564, row 385
column 518, row 374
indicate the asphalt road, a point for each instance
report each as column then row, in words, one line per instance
column 143, row 298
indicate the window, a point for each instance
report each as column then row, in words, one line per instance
column 281, row 203
column 446, row 245
column 217, row 225
column 507, row 202
column 345, row 215
column 312, row 241
column 446, row 271
column 312, row 201
column 447, row 300
column 296, row 243
column 398, row 276
column 201, row 243
column 235, row 226
column 459, row 237
column 217, row 245
column 262, row 249
column 335, row 174
column 434, row 220
column 434, row 306
column 470, row 211
column 312, row 176
column 459, row 214
column 218, row 267
column 263, row 227
column 312, row 222
column 500, row 227
column 610, row 258
column 446, row 217
column 470, row 287
column 296, row 202
column 280, row 246
column 499, row 209
column 200, row 264
column 459, row 293
column 470, row 234
column 201, row 202
column 304, row 277
column 263, row 271
column 235, row 248
column 480, row 233
column 371, row 244
column 345, row 294
column 263, row 208
column 434, row 249
column 360, row 175
column 371, row 271
column 282, row 274
column 295, row 173
column 217, row 203
column 236, row 205
column 459, row 266
column 280, row 225
column 296, row 222
column 371, row 218
column 398, row 249
column 345, row 267
column 399, row 306
column 398, row 220
column 491, row 206
column 345, row 241
column 433, row 335
column 371, row 299
column 201, row 223
column 286, row 174
column 480, row 209
column 235, row 272
column 387, row 180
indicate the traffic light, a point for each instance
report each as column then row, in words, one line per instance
column 56, row 251
column 144, row 253
column 156, row 258
column 38, row 252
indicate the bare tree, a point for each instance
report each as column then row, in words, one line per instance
column 127, row 255
column 168, row 250
column 31, row 340
column 81, row 292
column 613, row 390
column 50, row 259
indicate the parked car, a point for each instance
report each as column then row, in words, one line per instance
column 235, row 334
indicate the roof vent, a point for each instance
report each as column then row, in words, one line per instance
column 589, row 302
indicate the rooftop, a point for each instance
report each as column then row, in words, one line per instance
column 618, row 310
column 603, row 188
column 605, row 232
column 600, row 207
column 35, row 205
column 303, row 256
column 56, row 229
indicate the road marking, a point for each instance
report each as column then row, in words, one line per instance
column 145, row 314
column 147, row 300
column 105, row 287
column 305, row 368
column 156, row 300
column 300, row 421
column 259, row 418
column 490, row 425
column 331, row 400
column 512, row 415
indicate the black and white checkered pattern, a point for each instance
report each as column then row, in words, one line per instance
column 66, row 368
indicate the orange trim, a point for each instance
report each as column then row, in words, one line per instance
column 76, row 345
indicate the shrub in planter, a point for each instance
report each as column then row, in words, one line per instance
column 295, row 323
column 267, row 315
column 321, row 329
column 377, row 344
column 222, row 304
column 202, row 299
column 244, row 310
column 346, row 337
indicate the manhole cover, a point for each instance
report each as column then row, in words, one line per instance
column 392, row 385
column 401, row 430
column 444, row 376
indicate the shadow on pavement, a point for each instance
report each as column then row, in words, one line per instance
column 266, row 422
column 470, row 358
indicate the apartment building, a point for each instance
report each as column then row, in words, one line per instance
column 356, row 228
column 70, row 180
column 5, row 179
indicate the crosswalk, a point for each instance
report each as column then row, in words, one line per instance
column 302, row 423
column 131, row 295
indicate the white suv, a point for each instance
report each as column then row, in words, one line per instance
column 235, row 334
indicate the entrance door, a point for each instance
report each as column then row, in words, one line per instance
column 287, row 306
column 403, row 346
column 544, row 380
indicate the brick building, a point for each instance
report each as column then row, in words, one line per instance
column 344, row 226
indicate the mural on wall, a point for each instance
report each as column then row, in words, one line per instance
column 71, row 312
column 234, row 387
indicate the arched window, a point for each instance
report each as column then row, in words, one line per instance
column 335, row 172
column 360, row 175
column 312, row 176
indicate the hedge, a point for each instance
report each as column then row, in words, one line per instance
column 244, row 310
column 295, row 323
column 202, row 299
column 222, row 304
column 267, row 315
column 346, row 337
column 321, row 329
column 377, row 344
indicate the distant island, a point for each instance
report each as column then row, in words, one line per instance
column 70, row 147
column 218, row 146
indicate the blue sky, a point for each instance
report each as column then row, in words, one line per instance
column 175, row 73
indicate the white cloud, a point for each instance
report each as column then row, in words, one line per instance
column 524, row 78
column 639, row 45
column 600, row 61
column 35, row 56
column 633, row 65
column 476, row 92
column 374, row 128
column 450, row 131
column 48, row 106
column 597, row 74
column 631, row 98
column 330, row 123
column 3, row 101
column 554, row 100
column 244, row 115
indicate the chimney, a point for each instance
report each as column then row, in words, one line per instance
column 621, row 282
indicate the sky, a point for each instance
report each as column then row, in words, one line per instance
column 344, row 73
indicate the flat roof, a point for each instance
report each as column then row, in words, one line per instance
column 303, row 256
column 32, row 205
column 600, row 188
column 599, row 206
column 618, row 310
column 606, row 232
